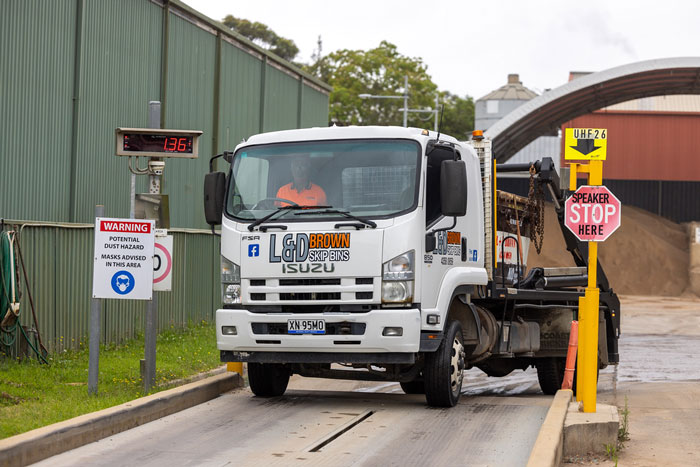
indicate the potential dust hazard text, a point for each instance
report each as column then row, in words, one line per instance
column 123, row 259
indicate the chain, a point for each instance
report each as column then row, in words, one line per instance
column 535, row 209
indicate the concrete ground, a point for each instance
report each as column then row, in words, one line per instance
column 658, row 378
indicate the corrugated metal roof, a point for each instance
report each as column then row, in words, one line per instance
column 678, row 103
column 591, row 92
column 513, row 90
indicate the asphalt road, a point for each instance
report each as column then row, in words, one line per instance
column 320, row 422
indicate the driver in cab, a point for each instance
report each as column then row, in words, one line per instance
column 301, row 190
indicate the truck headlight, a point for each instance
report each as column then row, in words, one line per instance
column 230, row 282
column 397, row 278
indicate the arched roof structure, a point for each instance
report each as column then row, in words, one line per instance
column 545, row 113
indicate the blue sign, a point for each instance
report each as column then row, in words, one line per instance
column 123, row 282
column 476, row 255
column 254, row 249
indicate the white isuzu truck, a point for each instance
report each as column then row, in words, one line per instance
column 397, row 260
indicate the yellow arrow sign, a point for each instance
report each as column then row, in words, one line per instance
column 585, row 143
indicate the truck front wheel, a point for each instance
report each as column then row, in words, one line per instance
column 444, row 369
column 416, row 386
column 268, row 379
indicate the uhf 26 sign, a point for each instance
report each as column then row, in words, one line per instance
column 585, row 143
column 592, row 213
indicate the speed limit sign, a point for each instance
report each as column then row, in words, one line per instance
column 163, row 263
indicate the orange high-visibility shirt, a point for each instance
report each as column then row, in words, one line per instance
column 313, row 195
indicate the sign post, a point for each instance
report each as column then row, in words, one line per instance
column 95, row 312
column 592, row 213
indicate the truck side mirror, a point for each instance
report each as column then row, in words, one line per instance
column 453, row 188
column 214, row 194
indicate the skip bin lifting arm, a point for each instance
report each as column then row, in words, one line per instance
column 546, row 173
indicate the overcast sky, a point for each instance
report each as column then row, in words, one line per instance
column 470, row 47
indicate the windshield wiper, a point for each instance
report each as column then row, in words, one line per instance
column 341, row 212
column 262, row 220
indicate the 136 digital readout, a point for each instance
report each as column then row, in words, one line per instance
column 157, row 143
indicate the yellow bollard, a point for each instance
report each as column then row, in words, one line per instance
column 588, row 309
column 235, row 366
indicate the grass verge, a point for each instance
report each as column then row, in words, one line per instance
column 34, row 395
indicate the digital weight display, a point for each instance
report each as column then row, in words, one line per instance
column 178, row 144
column 153, row 142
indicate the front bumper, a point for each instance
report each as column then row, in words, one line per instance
column 370, row 340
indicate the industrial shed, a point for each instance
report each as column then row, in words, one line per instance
column 71, row 71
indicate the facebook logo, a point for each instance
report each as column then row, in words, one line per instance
column 254, row 249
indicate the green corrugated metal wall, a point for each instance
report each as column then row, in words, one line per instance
column 281, row 96
column 241, row 80
column 71, row 71
column 36, row 88
column 110, row 64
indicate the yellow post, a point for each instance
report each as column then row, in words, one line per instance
column 235, row 366
column 588, row 311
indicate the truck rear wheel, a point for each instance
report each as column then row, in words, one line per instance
column 268, row 379
column 550, row 373
column 444, row 369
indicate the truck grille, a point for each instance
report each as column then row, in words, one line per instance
column 310, row 296
column 334, row 290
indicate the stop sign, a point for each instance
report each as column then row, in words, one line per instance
column 592, row 213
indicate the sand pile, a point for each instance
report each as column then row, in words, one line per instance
column 647, row 255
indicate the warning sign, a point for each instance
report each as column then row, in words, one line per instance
column 585, row 144
column 163, row 263
column 123, row 259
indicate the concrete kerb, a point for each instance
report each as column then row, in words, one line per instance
column 549, row 445
column 48, row 441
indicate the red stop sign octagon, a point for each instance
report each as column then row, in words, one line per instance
column 592, row 213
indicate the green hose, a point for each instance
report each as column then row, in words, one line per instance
column 9, row 293
column 6, row 275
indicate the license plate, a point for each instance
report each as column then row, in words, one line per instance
column 306, row 326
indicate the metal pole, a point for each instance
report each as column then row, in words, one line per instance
column 151, row 325
column 132, row 197
column 586, row 384
column 405, row 101
column 95, row 311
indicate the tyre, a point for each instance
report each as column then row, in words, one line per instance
column 550, row 373
column 268, row 379
column 413, row 387
column 443, row 372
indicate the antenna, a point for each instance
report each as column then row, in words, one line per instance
column 442, row 112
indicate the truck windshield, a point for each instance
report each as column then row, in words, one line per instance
column 367, row 178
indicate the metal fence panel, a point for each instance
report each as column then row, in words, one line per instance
column 59, row 264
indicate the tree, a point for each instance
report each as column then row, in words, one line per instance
column 380, row 72
column 263, row 36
